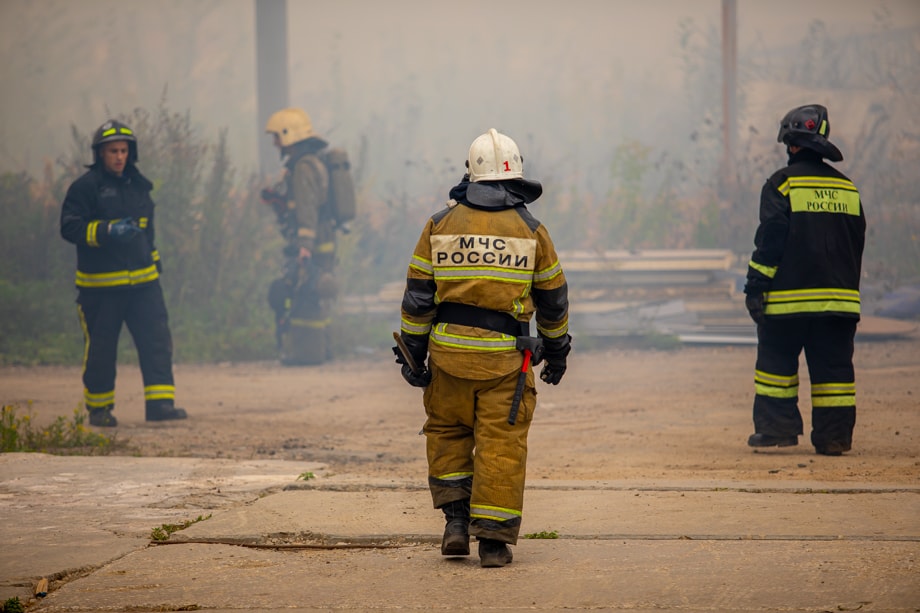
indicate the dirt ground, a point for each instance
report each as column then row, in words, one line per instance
column 619, row 413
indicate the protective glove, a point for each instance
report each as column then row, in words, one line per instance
column 418, row 348
column 555, row 352
column 123, row 230
column 754, row 305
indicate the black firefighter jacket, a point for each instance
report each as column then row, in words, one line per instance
column 92, row 201
column 809, row 244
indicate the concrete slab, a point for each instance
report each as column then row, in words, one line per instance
column 596, row 510
column 66, row 513
column 349, row 543
column 546, row 575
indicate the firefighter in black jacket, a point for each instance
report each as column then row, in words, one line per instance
column 803, row 290
column 108, row 215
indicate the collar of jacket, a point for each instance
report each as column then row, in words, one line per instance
column 804, row 155
column 310, row 146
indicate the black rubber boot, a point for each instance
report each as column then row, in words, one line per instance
column 494, row 554
column 456, row 541
column 103, row 417
column 164, row 412
column 765, row 440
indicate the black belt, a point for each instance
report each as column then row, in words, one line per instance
column 477, row 317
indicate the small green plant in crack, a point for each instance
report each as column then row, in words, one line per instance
column 543, row 534
column 162, row 532
column 306, row 476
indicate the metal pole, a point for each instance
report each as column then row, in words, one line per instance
column 271, row 73
column 729, row 103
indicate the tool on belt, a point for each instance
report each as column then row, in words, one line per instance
column 532, row 348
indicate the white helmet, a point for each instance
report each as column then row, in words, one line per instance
column 495, row 157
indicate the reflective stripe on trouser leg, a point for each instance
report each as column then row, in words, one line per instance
column 101, row 317
column 148, row 323
column 466, row 413
column 829, row 353
column 776, row 380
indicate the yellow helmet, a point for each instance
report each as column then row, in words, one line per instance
column 495, row 157
column 292, row 125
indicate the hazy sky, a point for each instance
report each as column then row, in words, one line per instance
column 409, row 75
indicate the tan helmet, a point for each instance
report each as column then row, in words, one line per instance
column 495, row 157
column 292, row 125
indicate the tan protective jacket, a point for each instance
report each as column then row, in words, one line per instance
column 500, row 259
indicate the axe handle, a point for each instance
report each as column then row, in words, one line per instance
column 405, row 353
column 519, row 390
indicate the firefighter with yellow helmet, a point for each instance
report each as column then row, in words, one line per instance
column 802, row 289
column 313, row 200
column 482, row 268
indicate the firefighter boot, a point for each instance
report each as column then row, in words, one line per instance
column 456, row 540
column 767, row 440
column 493, row 554
column 102, row 417
column 164, row 411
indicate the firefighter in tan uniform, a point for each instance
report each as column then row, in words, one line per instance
column 302, row 298
column 481, row 269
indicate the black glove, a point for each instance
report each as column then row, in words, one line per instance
column 123, row 230
column 418, row 349
column 554, row 354
column 754, row 305
column 419, row 379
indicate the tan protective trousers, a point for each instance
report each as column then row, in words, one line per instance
column 469, row 439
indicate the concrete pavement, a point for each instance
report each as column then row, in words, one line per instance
column 343, row 542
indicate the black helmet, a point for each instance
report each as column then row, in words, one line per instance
column 808, row 126
column 112, row 131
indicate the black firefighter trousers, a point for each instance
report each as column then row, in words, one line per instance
column 102, row 314
column 828, row 345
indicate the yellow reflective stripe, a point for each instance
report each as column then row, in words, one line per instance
column 421, row 265
column 548, row 273
column 833, row 401
column 310, row 323
column 142, row 222
column 99, row 399
column 776, row 392
column 413, row 328
column 92, row 231
column 326, row 248
column 108, row 132
column 112, row 131
column 836, row 394
column 155, row 255
column 491, row 273
column 454, row 476
column 159, row 392
column 499, row 343
column 777, row 380
column 306, row 232
column 118, row 278
column 822, row 389
column 489, row 512
column 823, row 129
column 813, row 300
column 812, row 306
column 776, row 386
column 767, row 271
column 554, row 332
column 813, row 182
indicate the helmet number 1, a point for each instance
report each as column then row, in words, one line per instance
column 507, row 167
